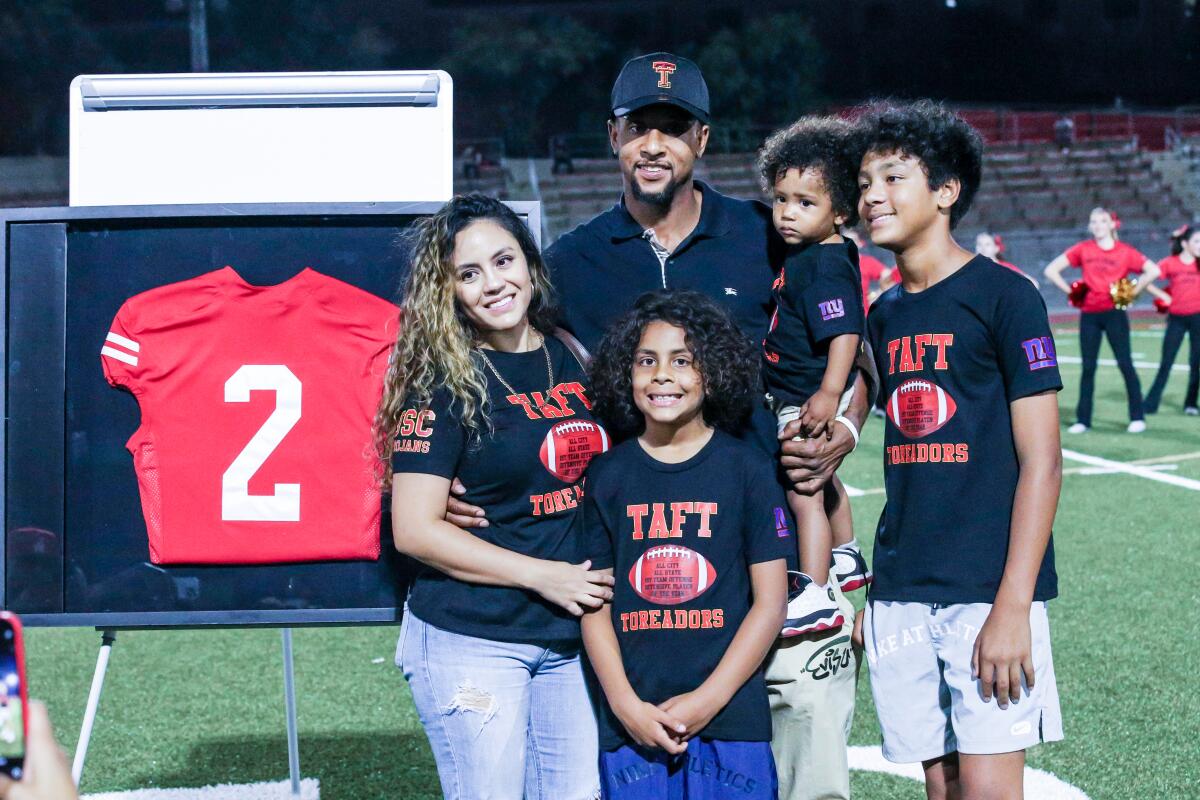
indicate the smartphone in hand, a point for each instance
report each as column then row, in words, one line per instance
column 13, row 698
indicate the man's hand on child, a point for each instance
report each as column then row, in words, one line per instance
column 651, row 726
column 816, row 417
column 810, row 463
column 694, row 709
column 1003, row 651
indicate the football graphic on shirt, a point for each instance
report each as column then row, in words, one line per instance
column 671, row 574
column 569, row 446
column 919, row 407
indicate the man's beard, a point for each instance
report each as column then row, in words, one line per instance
column 660, row 199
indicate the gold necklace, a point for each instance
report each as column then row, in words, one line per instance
column 507, row 385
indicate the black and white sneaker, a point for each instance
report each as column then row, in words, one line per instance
column 810, row 608
column 850, row 569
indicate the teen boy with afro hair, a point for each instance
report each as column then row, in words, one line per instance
column 957, row 637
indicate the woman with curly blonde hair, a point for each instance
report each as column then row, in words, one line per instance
column 480, row 388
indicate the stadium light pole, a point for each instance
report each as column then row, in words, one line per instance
column 198, row 28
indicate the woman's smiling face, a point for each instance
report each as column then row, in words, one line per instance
column 492, row 283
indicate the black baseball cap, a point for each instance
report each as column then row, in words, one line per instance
column 660, row 78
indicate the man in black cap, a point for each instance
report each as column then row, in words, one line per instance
column 670, row 230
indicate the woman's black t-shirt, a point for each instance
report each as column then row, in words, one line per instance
column 527, row 475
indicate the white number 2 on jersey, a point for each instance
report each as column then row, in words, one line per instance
column 237, row 504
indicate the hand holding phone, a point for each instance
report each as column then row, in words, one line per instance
column 13, row 698
column 42, row 773
column 48, row 775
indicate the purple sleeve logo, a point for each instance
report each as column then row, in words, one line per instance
column 781, row 524
column 1039, row 352
column 832, row 309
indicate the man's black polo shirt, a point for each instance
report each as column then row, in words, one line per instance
column 604, row 265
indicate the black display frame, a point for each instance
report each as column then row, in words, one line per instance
column 56, row 259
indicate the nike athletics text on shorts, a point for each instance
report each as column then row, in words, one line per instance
column 711, row 769
column 919, row 656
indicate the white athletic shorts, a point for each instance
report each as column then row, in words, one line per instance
column 919, row 656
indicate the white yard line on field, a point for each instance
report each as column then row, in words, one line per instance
column 1132, row 469
column 1110, row 362
column 1167, row 459
column 1038, row 783
column 856, row 492
column 1157, row 462
column 310, row 789
column 1109, row 471
column 1153, row 333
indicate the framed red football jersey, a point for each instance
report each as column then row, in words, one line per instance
column 257, row 404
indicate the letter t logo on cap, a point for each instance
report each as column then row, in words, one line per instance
column 664, row 70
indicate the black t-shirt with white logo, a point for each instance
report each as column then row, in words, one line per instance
column 951, row 359
column 680, row 539
column 527, row 475
column 818, row 296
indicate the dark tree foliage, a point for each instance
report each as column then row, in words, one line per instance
column 767, row 72
column 43, row 45
column 523, row 79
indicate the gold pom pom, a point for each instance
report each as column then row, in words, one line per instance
column 1123, row 293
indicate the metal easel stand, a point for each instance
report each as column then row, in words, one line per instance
column 108, row 637
column 289, row 700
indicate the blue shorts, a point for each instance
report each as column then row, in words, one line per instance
column 711, row 769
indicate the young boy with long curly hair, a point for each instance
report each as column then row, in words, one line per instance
column 691, row 522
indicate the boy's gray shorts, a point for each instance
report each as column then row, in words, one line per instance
column 929, row 705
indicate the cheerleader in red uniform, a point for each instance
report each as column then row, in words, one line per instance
column 889, row 279
column 1104, row 261
column 1181, row 303
column 871, row 269
column 990, row 245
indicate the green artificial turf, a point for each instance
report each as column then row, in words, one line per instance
column 190, row 708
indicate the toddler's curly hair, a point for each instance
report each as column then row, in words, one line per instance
column 823, row 144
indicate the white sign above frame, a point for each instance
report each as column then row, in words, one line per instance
column 322, row 137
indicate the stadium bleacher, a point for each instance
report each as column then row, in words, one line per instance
column 1025, row 186
column 1035, row 195
column 33, row 181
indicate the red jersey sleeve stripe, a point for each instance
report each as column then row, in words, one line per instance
column 119, row 355
column 118, row 339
